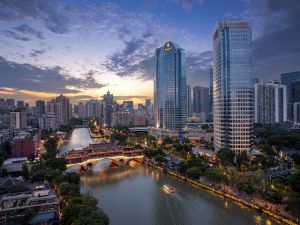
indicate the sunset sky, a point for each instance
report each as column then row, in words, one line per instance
column 84, row 48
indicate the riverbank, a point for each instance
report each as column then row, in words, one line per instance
column 278, row 217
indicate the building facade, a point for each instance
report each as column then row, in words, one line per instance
column 201, row 100
column 18, row 119
column 39, row 108
column 292, row 81
column 170, row 94
column 232, row 86
column 270, row 105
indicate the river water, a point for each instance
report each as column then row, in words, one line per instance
column 134, row 196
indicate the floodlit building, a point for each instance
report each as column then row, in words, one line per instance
column 170, row 94
column 232, row 85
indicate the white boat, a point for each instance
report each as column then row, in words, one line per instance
column 168, row 189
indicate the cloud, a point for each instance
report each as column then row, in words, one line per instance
column 135, row 59
column 48, row 12
column 25, row 29
column 198, row 67
column 276, row 49
column 53, row 79
column 187, row 5
column 11, row 34
column 37, row 52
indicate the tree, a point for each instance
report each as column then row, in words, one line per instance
column 216, row 174
column 159, row 158
column 193, row 173
column 56, row 164
column 69, row 189
column 242, row 159
column 294, row 182
column 294, row 203
column 226, row 155
column 167, row 141
column 83, row 210
column 182, row 167
column 72, row 178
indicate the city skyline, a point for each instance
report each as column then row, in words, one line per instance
column 44, row 55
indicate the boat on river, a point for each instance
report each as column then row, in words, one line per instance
column 168, row 189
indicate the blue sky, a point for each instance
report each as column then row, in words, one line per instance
column 84, row 48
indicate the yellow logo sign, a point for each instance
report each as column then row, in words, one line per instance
column 168, row 47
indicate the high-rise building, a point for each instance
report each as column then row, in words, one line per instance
column 39, row 108
column 256, row 80
column 147, row 102
column 64, row 111
column 108, row 108
column 48, row 122
column 201, row 100
column 18, row 118
column 232, row 85
column 121, row 118
column 141, row 107
column 211, row 96
column 270, row 105
column 127, row 105
column 170, row 95
column 81, row 110
column 296, row 113
column 10, row 103
column 149, row 107
column 292, row 81
column 20, row 104
column 189, row 100
column 94, row 108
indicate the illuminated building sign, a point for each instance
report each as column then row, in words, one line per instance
column 168, row 47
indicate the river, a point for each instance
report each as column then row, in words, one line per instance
column 134, row 196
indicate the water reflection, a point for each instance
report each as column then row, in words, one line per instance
column 135, row 196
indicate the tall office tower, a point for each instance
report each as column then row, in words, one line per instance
column 39, row 108
column 75, row 109
column 18, row 118
column 10, row 103
column 64, row 111
column 270, row 104
column 81, row 110
column 211, row 96
column 108, row 108
column 127, row 105
column 141, row 107
column 91, row 108
column 147, row 102
column 201, row 100
column 232, row 85
column 189, row 100
column 170, row 87
column 296, row 113
column 291, row 80
column 20, row 104
column 256, row 80
column 149, row 106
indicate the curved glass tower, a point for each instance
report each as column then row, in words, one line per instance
column 232, row 86
column 170, row 93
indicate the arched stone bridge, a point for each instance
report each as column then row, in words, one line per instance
column 109, row 161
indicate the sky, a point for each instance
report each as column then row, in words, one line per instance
column 82, row 49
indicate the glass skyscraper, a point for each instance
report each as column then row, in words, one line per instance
column 292, row 81
column 232, row 85
column 170, row 91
